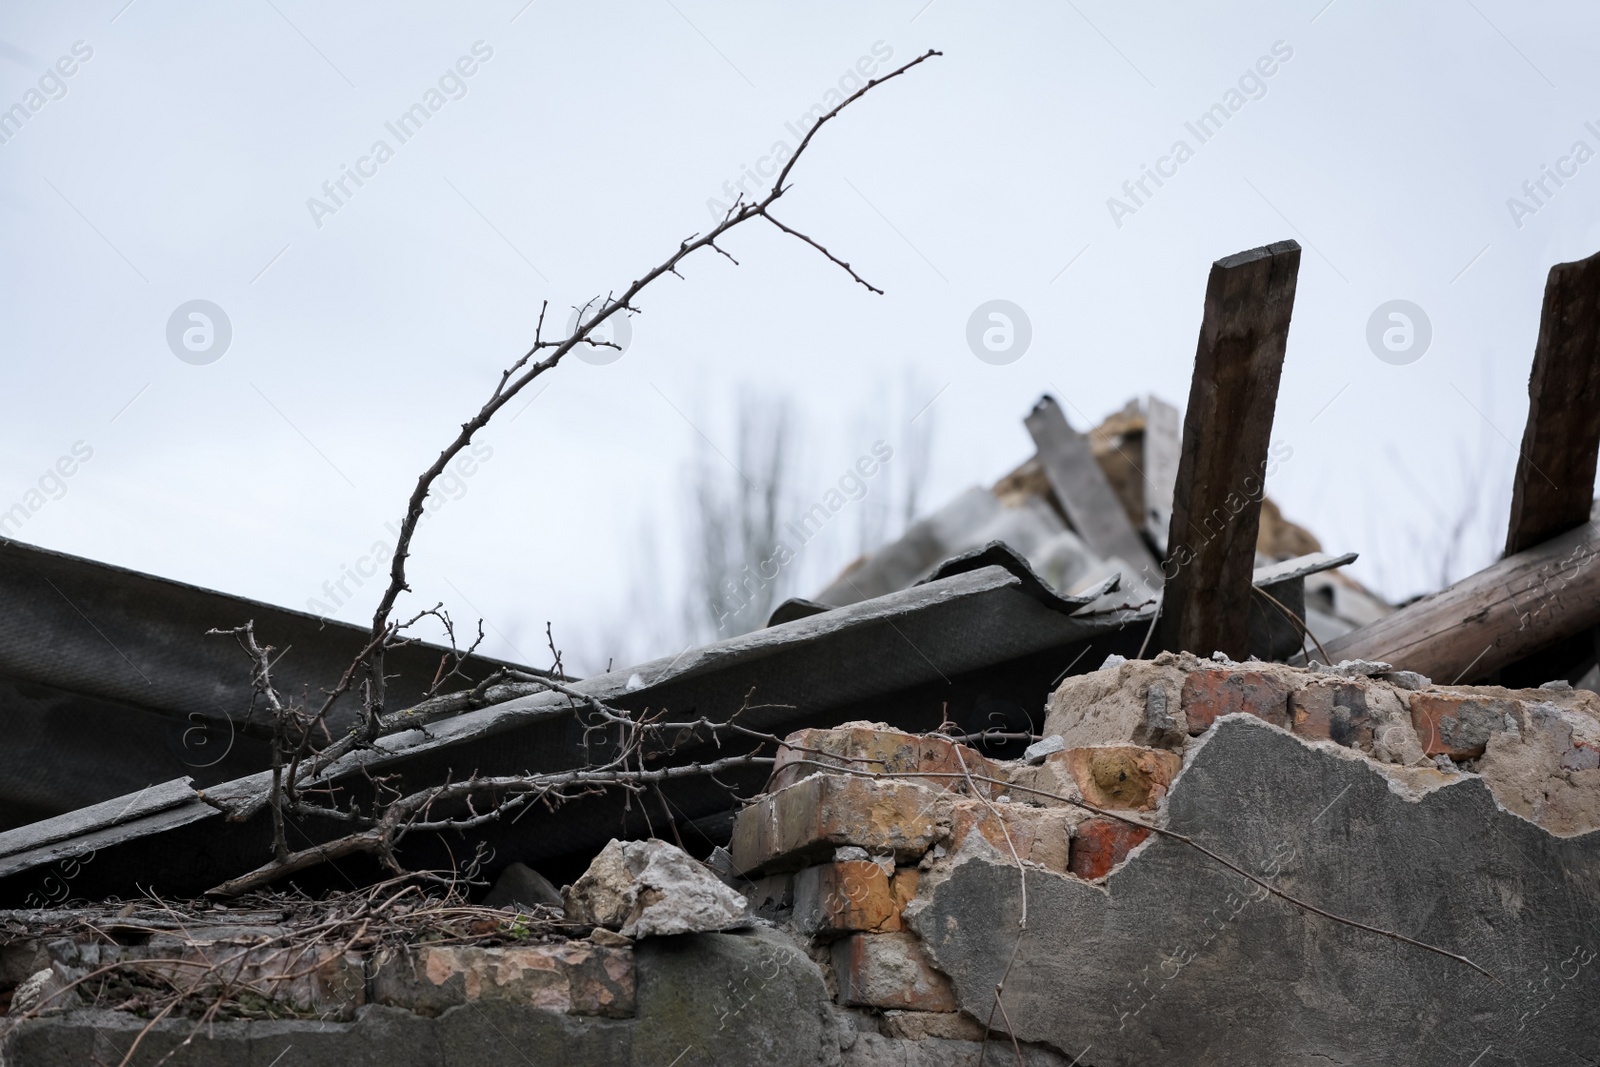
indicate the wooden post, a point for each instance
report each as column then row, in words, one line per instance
column 1554, row 487
column 1086, row 495
column 1216, row 501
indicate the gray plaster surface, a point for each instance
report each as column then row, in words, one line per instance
column 1175, row 959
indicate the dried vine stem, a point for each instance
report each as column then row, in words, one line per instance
column 639, row 738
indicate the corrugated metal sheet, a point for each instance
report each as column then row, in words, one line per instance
column 982, row 646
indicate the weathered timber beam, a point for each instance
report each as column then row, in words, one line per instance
column 1086, row 494
column 1216, row 500
column 1491, row 619
column 1554, row 486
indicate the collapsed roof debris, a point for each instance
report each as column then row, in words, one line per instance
column 1023, row 511
column 108, row 684
column 1128, row 773
column 1200, row 832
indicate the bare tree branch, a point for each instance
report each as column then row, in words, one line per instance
column 519, row 374
column 632, row 740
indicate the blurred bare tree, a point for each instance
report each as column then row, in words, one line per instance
column 898, row 501
column 740, row 570
column 734, row 559
column 1468, row 505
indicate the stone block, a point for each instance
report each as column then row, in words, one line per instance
column 571, row 977
column 1211, row 693
column 875, row 748
column 1135, row 702
column 652, row 889
column 889, row 971
column 47, row 991
column 844, row 897
column 1121, row 777
column 1100, row 844
column 1039, row 835
column 753, row 998
column 1048, row 784
column 1036, row 752
column 806, row 821
column 1457, row 725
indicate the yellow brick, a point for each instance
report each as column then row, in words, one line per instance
column 1121, row 777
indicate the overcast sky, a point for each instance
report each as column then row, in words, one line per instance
column 180, row 160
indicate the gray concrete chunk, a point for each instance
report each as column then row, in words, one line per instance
column 1178, row 960
column 1036, row 752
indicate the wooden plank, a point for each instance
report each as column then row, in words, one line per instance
column 1216, row 500
column 1554, row 486
column 1491, row 619
column 1086, row 495
column 1163, row 443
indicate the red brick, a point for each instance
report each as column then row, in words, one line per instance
column 890, row 971
column 1457, row 726
column 1039, row 835
column 1101, row 844
column 807, row 821
column 1333, row 711
column 573, row 977
column 877, row 749
column 1124, row 777
column 843, row 897
column 1208, row 694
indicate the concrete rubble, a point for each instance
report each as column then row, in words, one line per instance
column 651, row 889
column 1136, row 450
column 881, row 887
column 1062, row 782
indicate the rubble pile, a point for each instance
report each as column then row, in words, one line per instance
column 879, row 884
column 899, row 856
column 1106, row 765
